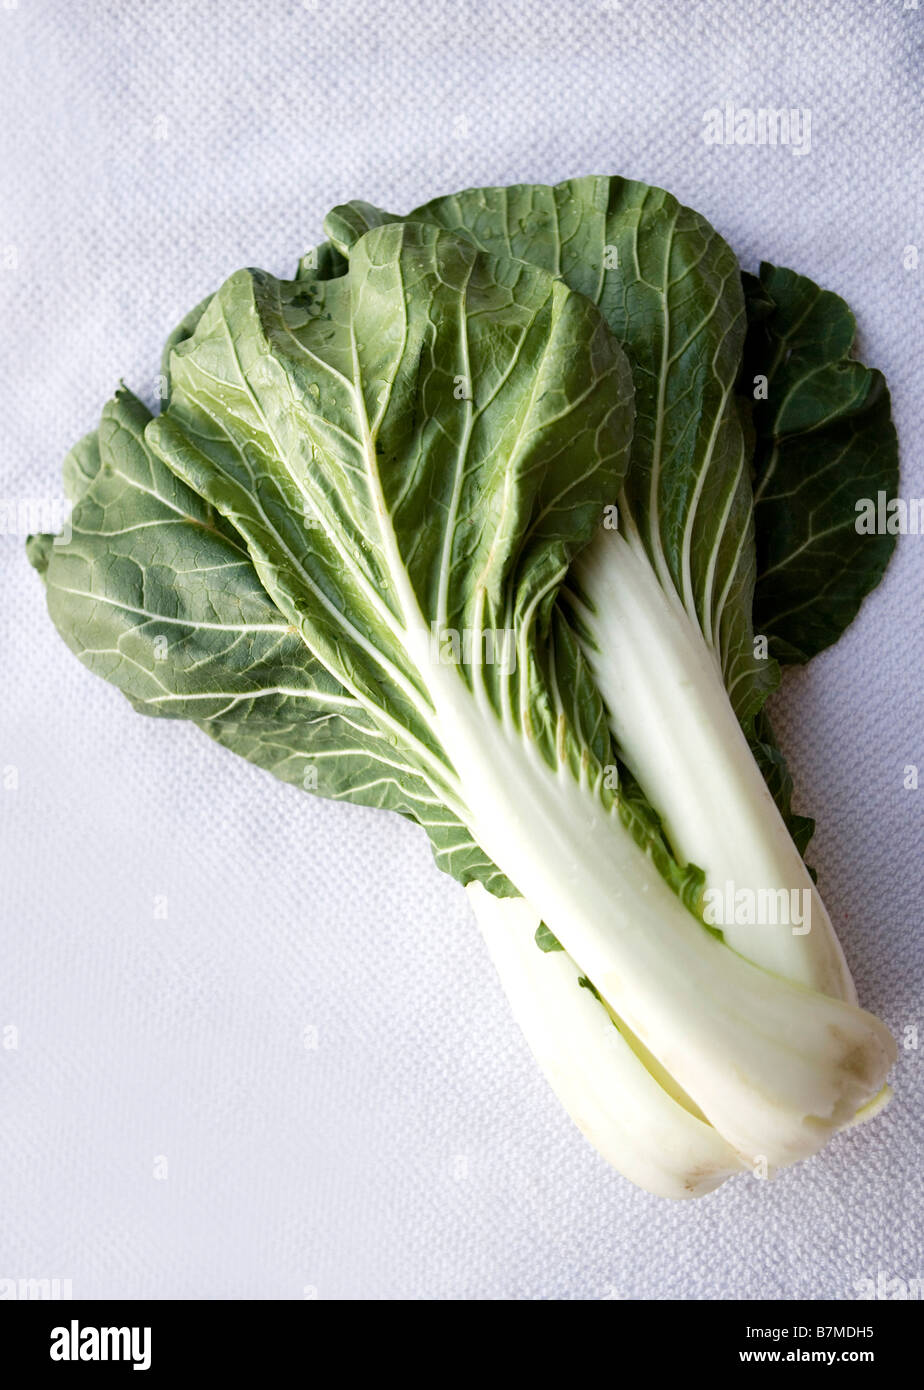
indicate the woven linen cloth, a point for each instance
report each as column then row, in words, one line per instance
column 252, row 1043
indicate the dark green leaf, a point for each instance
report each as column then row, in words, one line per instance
column 824, row 441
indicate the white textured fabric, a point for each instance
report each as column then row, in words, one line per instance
column 312, row 1041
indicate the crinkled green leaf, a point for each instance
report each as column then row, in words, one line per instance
column 825, row 440
column 267, row 420
column 297, row 331
column 669, row 288
column 299, row 414
column 155, row 597
column 323, row 262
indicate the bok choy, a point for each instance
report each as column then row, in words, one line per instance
column 460, row 523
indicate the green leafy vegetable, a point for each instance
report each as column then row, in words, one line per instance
column 459, row 523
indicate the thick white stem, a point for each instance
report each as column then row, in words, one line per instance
column 630, row 1118
column 773, row 1066
column 676, row 728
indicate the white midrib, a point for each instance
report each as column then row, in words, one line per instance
column 670, row 714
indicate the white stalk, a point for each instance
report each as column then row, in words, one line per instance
column 675, row 726
column 643, row 1129
column 774, row 1067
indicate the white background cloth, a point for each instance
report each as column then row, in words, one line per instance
column 313, row 1041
